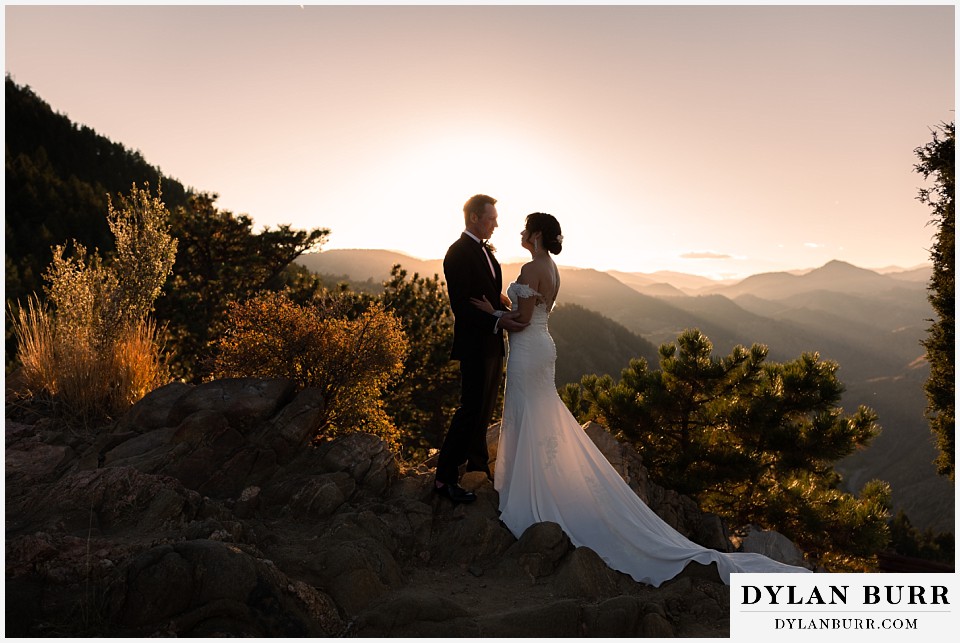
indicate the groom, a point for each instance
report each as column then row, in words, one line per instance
column 471, row 271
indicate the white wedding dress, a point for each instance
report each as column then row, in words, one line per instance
column 549, row 470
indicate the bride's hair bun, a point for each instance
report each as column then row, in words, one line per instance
column 548, row 226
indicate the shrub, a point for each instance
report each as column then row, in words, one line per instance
column 351, row 361
column 92, row 349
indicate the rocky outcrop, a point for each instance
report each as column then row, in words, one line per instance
column 209, row 511
column 207, row 588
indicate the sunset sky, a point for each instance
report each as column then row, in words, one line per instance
column 713, row 140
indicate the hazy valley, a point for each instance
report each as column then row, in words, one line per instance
column 868, row 322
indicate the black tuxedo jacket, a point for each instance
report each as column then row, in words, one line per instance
column 467, row 273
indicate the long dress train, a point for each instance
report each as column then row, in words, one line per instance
column 548, row 469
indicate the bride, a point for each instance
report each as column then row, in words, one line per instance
column 548, row 468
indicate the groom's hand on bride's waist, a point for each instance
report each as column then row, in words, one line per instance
column 509, row 323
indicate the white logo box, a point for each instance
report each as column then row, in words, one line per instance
column 847, row 607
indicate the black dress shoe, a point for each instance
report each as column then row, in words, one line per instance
column 455, row 492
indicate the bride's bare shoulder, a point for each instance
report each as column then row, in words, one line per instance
column 529, row 271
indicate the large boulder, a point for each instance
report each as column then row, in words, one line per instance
column 114, row 500
column 541, row 547
column 244, row 401
column 204, row 588
column 772, row 545
column 32, row 461
column 362, row 455
column 584, row 574
column 153, row 411
column 295, row 425
column 222, row 437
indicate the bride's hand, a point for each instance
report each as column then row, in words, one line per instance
column 505, row 300
column 483, row 304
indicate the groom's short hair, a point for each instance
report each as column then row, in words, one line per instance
column 477, row 204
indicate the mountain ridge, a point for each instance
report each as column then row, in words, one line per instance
column 377, row 263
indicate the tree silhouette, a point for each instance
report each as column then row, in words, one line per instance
column 220, row 260
column 422, row 401
column 937, row 160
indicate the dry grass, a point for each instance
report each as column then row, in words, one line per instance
column 86, row 381
column 34, row 331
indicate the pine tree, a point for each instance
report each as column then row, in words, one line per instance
column 422, row 401
column 750, row 440
column 937, row 160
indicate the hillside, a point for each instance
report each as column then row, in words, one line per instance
column 58, row 175
column 362, row 265
column 607, row 352
column 681, row 282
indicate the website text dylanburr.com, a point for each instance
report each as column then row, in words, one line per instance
column 854, row 606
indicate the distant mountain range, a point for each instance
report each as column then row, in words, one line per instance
column 869, row 322
column 363, row 264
